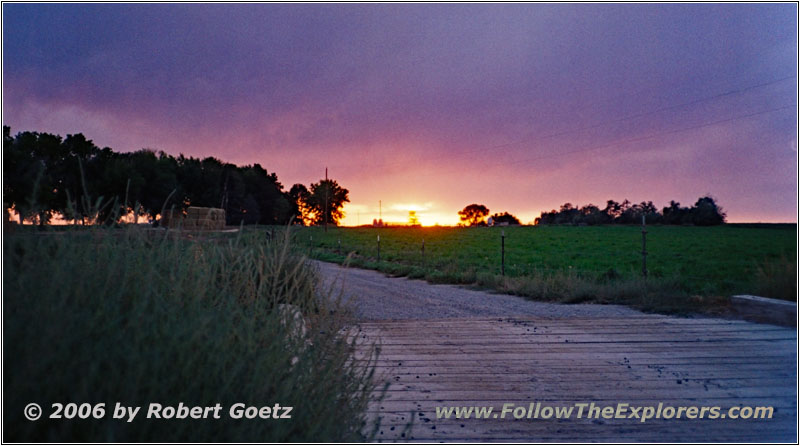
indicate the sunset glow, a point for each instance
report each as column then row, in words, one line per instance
column 429, row 108
column 397, row 214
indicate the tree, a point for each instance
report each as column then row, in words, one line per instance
column 592, row 215
column 674, row 214
column 263, row 188
column 19, row 167
column 298, row 196
column 474, row 214
column 706, row 212
column 568, row 214
column 412, row 218
column 76, row 186
column 30, row 174
column 44, row 176
column 612, row 209
column 650, row 212
column 506, row 218
column 326, row 191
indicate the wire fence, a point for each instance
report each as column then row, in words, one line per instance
column 505, row 256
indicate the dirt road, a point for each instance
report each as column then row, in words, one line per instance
column 376, row 297
column 446, row 348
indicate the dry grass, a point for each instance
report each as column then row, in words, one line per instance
column 115, row 316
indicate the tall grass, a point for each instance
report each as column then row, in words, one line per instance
column 777, row 278
column 654, row 294
column 106, row 316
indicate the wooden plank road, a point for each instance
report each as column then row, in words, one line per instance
column 640, row 360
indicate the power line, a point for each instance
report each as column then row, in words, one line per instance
column 525, row 138
column 652, row 112
column 617, row 142
column 651, row 136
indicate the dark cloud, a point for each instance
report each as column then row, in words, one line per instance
column 381, row 92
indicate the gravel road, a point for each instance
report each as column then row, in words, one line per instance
column 373, row 296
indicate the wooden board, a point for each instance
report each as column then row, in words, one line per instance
column 647, row 360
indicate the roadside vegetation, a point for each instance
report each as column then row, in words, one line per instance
column 689, row 268
column 132, row 316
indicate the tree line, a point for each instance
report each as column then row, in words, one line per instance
column 705, row 212
column 475, row 215
column 45, row 175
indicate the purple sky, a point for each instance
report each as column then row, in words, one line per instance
column 432, row 107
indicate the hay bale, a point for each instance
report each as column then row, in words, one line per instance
column 197, row 212
column 218, row 215
column 172, row 218
column 195, row 219
column 208, row 219
column 208, row 224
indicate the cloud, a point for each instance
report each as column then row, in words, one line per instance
column 444, row 104
column 418, row 207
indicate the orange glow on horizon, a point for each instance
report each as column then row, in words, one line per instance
column 396, row 214
column 359, row 215
column 58, row 219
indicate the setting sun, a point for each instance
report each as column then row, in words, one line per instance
column 398, row 214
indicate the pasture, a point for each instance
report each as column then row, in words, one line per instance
column 687, row 265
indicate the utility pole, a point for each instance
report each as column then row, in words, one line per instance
column 644, row 249
column 380, row 212
column 326, row 199
column 503, row 252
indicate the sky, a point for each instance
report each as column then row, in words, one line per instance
column 520, row 107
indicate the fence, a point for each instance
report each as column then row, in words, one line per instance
column 382, row 247
column 710, row 261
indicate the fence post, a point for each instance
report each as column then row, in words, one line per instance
column 423, row 251
column 503, row 252
column 310, row 244
column 644, row 249
column 340, row 246
column 379, row 248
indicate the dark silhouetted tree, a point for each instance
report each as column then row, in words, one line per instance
column 412, row 218
column 474, row 214
column 31, row 164
column 336, row 197
column 613, row 210
column 505, row 218
column 43, row 175
column 298, row 196
column 706, row 212
column 674, row 214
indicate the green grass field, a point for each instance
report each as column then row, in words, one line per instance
column 568, row 262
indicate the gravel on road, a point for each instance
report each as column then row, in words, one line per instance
column 374, row 296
